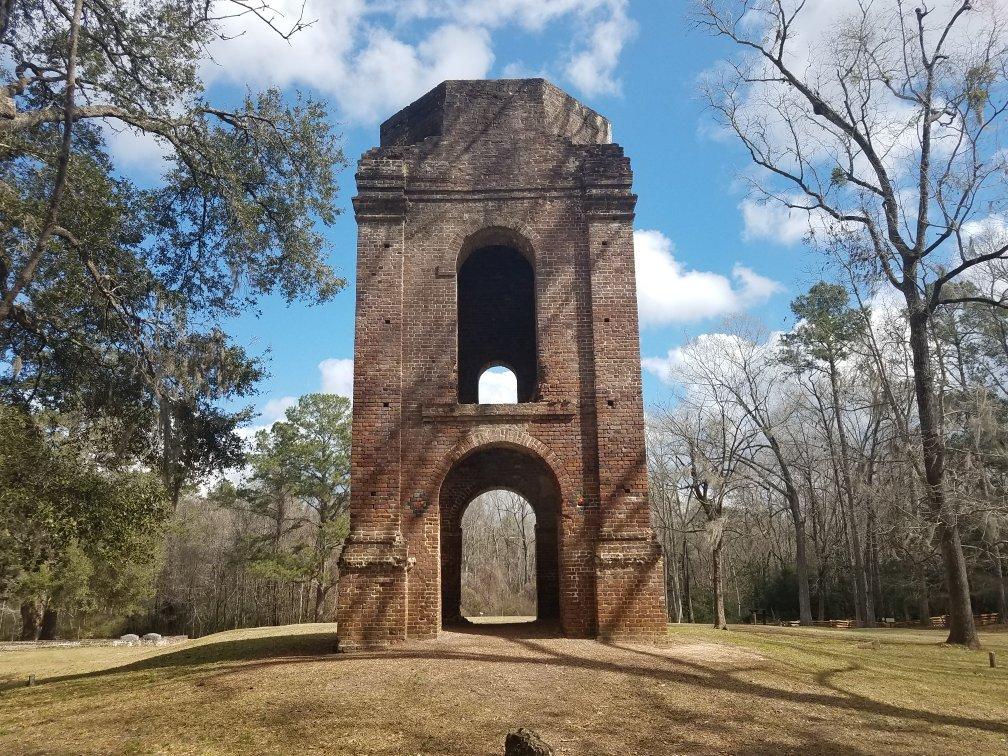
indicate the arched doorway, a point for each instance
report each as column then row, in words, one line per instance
column 498, row 558
column 500, row 468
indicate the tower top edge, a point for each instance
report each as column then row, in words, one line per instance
column 463, row 109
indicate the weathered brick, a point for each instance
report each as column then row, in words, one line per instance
column 499, row 177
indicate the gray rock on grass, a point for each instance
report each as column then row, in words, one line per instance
column 522, row 742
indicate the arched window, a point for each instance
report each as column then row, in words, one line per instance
column 496, row 319
column 498, row 385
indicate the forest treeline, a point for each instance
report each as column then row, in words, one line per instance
column 786, row 476
column 88, row 550
column 499, row 556
column 785, row 479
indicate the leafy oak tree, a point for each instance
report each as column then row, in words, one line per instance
column 113, row 296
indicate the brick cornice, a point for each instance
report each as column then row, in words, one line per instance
column 602, row 204
column 381, row 187
column 380, row 206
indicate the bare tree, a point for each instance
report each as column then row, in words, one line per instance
column 739, row 369
column 884, row 133
column 712, row 443
column 498, row 556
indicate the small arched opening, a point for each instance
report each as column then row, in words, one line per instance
column 474, row 481
column 498, row 385
column 496, row 313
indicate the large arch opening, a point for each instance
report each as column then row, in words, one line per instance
column 496, row 317
column 494, row 471
column 498, row 558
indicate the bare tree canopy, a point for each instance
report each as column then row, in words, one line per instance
column 885, row 130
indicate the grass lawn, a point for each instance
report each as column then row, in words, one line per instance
column 282, row 690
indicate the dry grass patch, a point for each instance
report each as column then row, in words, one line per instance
column 282, row 690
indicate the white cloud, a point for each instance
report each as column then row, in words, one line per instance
column 599, row 30
column 986, row 236
column 531, row 15
column 769, row 219
column 592, row 70
column 665, row 368
column 885, row 305
column 989, row 229
column 772, row 221
column 350, row 56
column 669, row 293
column 372, row 57
column 498, row 386
column 712, row 351
column 248, row 433
column 388, row 73
column 337, row 376
column 775, row 116
column 135, row 150
column 753, row 288
column 274, row 409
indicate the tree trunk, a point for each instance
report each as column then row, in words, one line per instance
column 1002, row 589
column 720, row 623
column 923, row 603
column 873, row 567
column 525, row 550
column 319, row 598
column 962, row 629
column 794, row 506
column 50, row 621
column 801, row 567
column 31, row 619
column 687, row 580
column 858, row 606
column 821, row 610
column 672, row 572
column 820, row 561
column 860, row 574
column 275, row 619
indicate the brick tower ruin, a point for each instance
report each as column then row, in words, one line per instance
column 495, row 228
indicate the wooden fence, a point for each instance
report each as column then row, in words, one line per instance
column 979, row 619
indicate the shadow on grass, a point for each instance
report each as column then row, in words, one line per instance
column 275, row 648
column 534, row 643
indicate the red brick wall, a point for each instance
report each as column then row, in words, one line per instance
column 473, row 165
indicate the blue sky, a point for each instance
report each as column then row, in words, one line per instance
column 635, row 62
